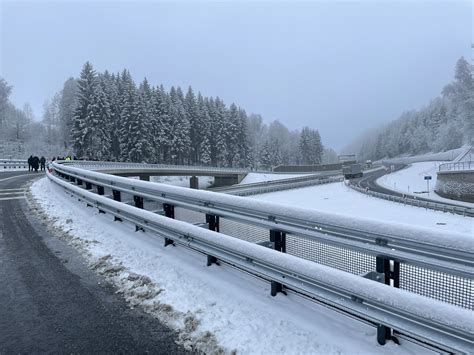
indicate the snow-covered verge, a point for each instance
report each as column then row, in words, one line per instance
column 214, row 309
column 411, row 181
column 341, row 199
column 261, row 177
column 183, row 181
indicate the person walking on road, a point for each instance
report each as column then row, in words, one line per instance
column 43, row 163
column 30, row 162
column 35, row 163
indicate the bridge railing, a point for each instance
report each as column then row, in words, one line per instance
column 394, row 311
column 13, row 164
column 348, row 244
column 98, row 165
column 462, row 165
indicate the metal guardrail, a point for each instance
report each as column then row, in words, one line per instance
column 427, row 259
column 276, row 185
column 13, row 164
column 391, row 310
column 462, row 165
column 101, row 165
column 436, row 206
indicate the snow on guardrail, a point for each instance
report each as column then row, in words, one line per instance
column 436, row 322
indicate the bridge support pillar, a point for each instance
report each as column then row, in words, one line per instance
column 278, row 238
column 213, row 223
column 169, row 212
column 194, row 182
column 391, row 271
column 88, row 186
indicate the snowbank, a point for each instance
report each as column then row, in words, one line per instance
column 213, row 308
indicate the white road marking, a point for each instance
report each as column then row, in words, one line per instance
column 14, row 177
column 19, row 190
column 11, row 198
column 11, row 193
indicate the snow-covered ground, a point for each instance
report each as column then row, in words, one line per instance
column 213, row 308
column 411, row 181
column 339, row 198
column 261, row 177
column 183, row 181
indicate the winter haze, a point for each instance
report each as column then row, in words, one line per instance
column 339, row 67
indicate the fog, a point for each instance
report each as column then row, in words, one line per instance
column 339, row 67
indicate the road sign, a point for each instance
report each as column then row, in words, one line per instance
column 428, row 177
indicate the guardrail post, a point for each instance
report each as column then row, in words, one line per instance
column 169, row 212
column 391, row 270
column 278, row 238
column 117, row 197
column 100, row 191
column 138, row 200
column 213, row 223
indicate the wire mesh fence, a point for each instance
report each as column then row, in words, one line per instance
column 430, row 283
column 434, row 284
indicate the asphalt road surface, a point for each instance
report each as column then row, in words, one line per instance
column 369, row 181
column 51, row 302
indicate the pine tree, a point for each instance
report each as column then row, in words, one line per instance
column 101, row 141
column 220, row 129
column 82, row 128
column 265, row 156
column 180, row 140
column 191, row 107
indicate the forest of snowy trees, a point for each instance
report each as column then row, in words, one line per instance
column 104, row 116
column 447, row 122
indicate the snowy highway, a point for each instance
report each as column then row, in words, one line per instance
column 51, row 301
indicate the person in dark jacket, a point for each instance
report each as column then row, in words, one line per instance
column 30, row 162
column 43, row 163
column 35, row 163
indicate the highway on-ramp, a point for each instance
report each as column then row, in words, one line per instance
column 369, row 181
column 51, row 302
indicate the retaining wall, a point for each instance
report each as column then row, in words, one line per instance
column 456, row 185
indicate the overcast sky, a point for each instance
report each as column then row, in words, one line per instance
column 341, row 67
